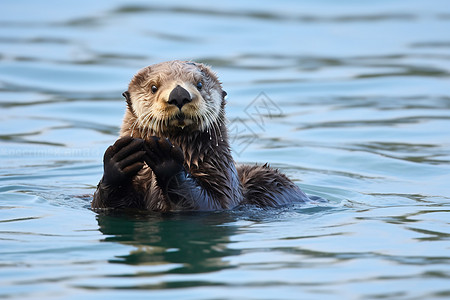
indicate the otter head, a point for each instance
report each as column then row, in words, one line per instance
column 175, row 96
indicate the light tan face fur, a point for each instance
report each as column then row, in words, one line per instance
column 152, row 109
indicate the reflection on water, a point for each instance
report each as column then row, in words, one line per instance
column 172, row 239
column 363, row 115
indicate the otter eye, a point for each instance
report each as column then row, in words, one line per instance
column 154, row 89
column 199, row 85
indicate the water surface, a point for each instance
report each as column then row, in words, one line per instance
column 360, row 115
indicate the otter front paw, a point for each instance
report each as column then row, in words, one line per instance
column 122, row 161
column 165, row 160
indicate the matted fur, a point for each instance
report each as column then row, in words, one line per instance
column 199, row 129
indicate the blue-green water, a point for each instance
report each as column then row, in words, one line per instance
column 362, row 118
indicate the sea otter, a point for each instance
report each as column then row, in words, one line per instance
column 173, row 152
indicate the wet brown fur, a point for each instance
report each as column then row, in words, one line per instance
column 217, row 183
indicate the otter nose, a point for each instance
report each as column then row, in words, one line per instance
column 179, row 97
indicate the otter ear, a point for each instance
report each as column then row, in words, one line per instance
column 126, row 94
column 224, row 94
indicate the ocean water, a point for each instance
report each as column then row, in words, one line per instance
column 351, row 99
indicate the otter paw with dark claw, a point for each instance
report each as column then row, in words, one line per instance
column 122, row 161
column 165, row 160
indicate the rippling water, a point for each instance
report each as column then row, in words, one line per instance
column 360, row 115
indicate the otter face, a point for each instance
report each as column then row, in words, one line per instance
column 175, row 95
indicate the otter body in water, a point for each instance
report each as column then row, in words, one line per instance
column 173, row 152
